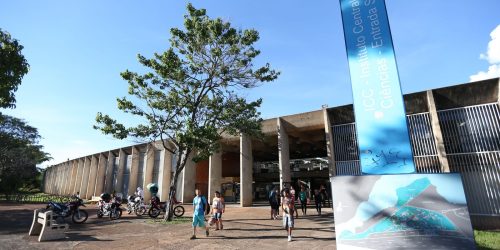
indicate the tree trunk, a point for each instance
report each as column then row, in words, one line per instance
column 181, row 162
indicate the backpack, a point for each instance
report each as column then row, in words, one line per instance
column 203, row 203
column 272, row 196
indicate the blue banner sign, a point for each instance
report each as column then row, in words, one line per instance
column 384, row 143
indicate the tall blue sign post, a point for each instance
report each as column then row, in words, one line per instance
column 384, row 142
column 393, row 207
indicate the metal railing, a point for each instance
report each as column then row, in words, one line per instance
column 471, row 129
column 422, row 139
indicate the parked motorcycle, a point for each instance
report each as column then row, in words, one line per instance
column 109, row 206
column 178, row 209
column 135, row 205
column 72, row 208
column 156, row 207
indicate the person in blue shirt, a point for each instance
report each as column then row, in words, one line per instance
column 199, row 207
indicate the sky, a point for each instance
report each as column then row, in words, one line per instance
column 77, row 49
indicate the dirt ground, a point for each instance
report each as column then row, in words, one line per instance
column 243, row 228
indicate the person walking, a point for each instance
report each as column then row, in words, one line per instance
column 218, row 208
column 294, row 197
column 303, row 197
column 288, row 210
column 199, row 207
column 324, row 195
column 274, row 202
column 317, row 201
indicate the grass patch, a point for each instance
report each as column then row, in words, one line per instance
column 486, row 240
column 27, row 197
column 175, row 221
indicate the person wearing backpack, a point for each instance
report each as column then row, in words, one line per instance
column 274, row 202
column 200, row 205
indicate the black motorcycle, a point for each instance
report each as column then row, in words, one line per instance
column 72, row 208
column 108, row 206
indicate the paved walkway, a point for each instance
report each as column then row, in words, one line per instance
column 243, row 228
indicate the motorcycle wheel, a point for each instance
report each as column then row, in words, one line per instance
column 154, row 212
column 178, row 211
column 80, row 216
column 115, row 214
column 140, row 211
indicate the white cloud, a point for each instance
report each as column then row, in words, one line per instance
column 492, row 56
column 493, row 71
column 493, row 53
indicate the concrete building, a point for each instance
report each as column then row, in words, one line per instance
column 452, row 129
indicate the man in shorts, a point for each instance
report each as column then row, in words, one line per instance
column 199, row 208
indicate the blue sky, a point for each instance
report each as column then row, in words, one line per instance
column 76, row 50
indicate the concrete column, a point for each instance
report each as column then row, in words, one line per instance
column 134, row 170
column 436, row 131
column 71, row 177
column 47, row 180
column 69, row 166
column 53, row 180
column 92, row 176
column 65, row 178
column 61, row 179
column 329, row 143
column 119, row 175
column 166, row 175
column 101, row 174
column 214, row 174
column 79, row 174
column 57, row 178
column 148, row 171
column 108, row 185
column 246, row 170
column 44, row 182
column 85, row 178
column 72, row 180
column 498, row 92
column 189, row 179
column 284, row 155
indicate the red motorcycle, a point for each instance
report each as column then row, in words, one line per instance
column 155, row 207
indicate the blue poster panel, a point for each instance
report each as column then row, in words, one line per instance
column 384, row 143
column 409, row 211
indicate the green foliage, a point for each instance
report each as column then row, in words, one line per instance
column 19, row 155
column 19, row 150
column 13, row 66
column 487, row 239
column 190, row 97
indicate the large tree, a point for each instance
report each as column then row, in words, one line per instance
column 13, row 66
column 190, row 97
column 19, row 149
column 19, row 154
